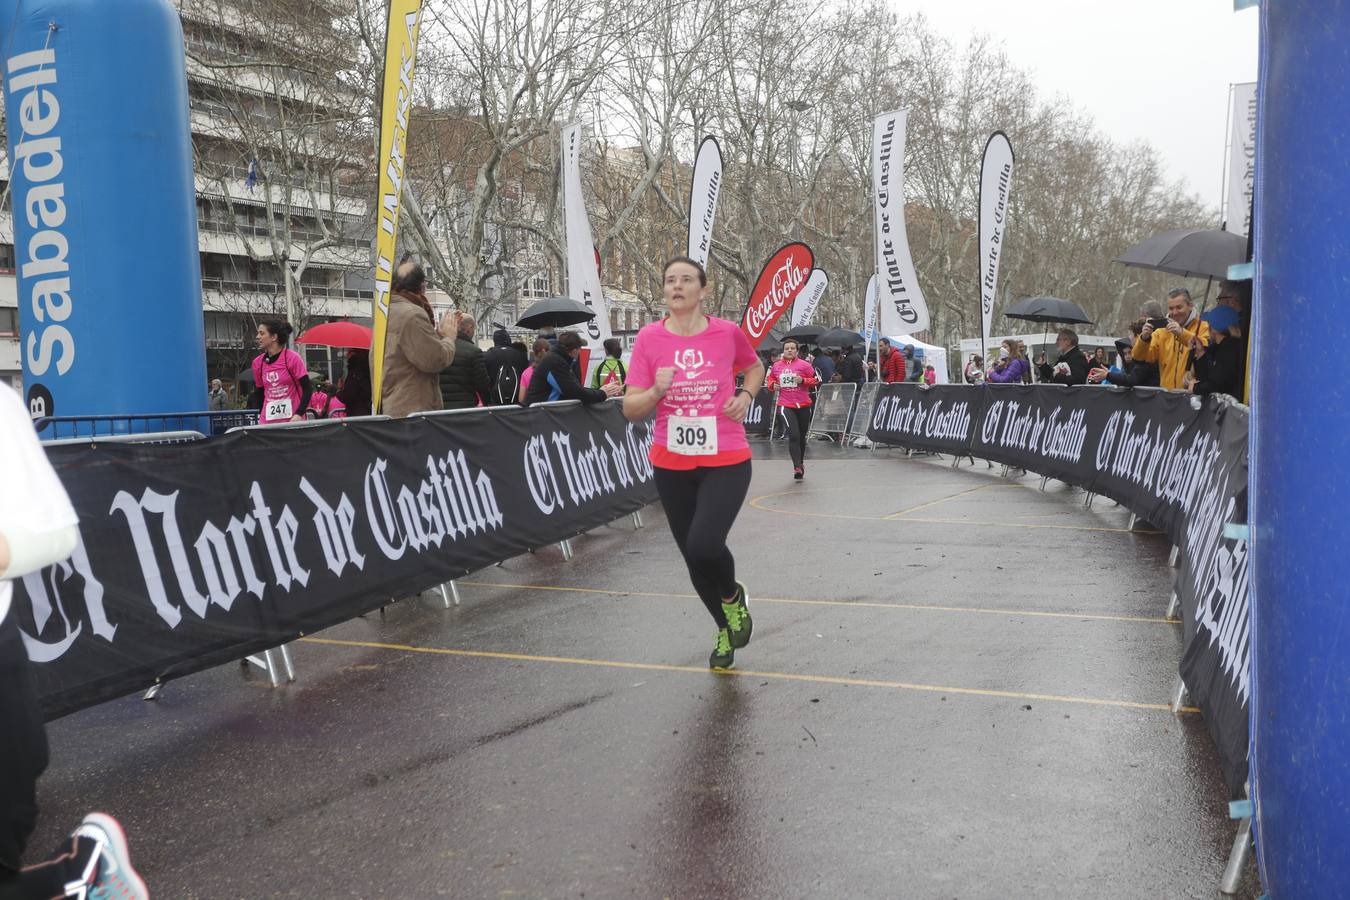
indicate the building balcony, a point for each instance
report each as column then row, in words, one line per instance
column 222, row 295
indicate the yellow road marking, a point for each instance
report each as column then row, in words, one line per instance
column 936, row 521
column 903, row 512
column 747, row 673
column 872, row 604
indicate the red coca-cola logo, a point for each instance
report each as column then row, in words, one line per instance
column 779, row 283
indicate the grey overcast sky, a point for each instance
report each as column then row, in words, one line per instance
column 1152, row 69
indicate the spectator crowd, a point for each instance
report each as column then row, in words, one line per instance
column 1175, row 347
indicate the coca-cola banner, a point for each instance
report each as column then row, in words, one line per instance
column 779, row 283
column 192, row 555
column 1175, row 460
column 899, row 298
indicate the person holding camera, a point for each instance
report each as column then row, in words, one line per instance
column 1128, row 371
column 1166, row 342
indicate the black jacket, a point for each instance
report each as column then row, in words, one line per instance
column 553, row 379
column 1078, row 368
column 1135, row 374
column 1219, row 371
column 465, row 380
column 504, row 366
column 851, row 369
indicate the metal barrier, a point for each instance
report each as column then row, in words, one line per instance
column 152, row 437
column 207, row 422
column 834, row 406
column 863, row 409
column 308, row 423
column 469, row 410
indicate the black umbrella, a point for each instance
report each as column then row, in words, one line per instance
column 808, row 333
column 556, row 312
column 1047, row 309
column 1189, row 252
column 840, row 337
column 771, row 343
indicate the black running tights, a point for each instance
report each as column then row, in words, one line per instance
column 798, row 424
column 701, row 505
column 23, row 756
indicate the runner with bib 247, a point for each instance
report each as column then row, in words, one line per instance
column 685, row 369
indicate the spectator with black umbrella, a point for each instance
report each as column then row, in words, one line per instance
column 1072, row 365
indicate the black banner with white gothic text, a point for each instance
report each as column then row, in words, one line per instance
column 192, row 555
column 1177, row 461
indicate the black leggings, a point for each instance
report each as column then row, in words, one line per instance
column 798, row 424
column 701, row 505
column 23, row 757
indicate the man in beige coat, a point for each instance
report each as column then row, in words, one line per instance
column 416, row 347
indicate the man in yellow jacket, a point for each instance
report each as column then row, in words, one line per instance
column 1169, row 346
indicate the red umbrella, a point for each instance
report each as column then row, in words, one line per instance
column 337, row 334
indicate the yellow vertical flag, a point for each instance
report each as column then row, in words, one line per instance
column 400, row 55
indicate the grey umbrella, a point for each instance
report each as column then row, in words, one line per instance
column 556, row 312
column 1188, row 252
column 1048, row 309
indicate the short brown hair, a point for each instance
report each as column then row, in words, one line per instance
column 1069, row 335
column 569, row 341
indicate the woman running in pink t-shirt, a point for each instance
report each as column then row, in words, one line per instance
column 282, row 389
column 792, row 378
column 684, row 368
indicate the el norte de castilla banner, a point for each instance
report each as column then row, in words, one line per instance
column 191, row 555
column 1175, row 460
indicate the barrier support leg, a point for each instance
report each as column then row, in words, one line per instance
column 1172, row 606
column 637, row 520
column 1242, row 845
column 447, row 595
column 1174, row 555
column 285, row 652
column 1087, row 501
column 1178, row 696
column 1044, row 482
column 153, row 693
column 566, row 547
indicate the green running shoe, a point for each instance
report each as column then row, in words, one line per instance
column 738, row 617
column 723, row 656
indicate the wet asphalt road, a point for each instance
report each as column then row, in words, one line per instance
column 956, row 688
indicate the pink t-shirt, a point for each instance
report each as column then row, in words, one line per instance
column 280, row 383
column 802, row 375
column 705, row 379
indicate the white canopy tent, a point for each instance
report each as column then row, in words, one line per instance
column 928, row 354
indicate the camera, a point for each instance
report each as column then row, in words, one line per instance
column 1158, row 324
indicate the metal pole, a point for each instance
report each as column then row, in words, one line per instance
column 1237, row 858
column 1172, row 606
column 1178, row 696
column 286, row 661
